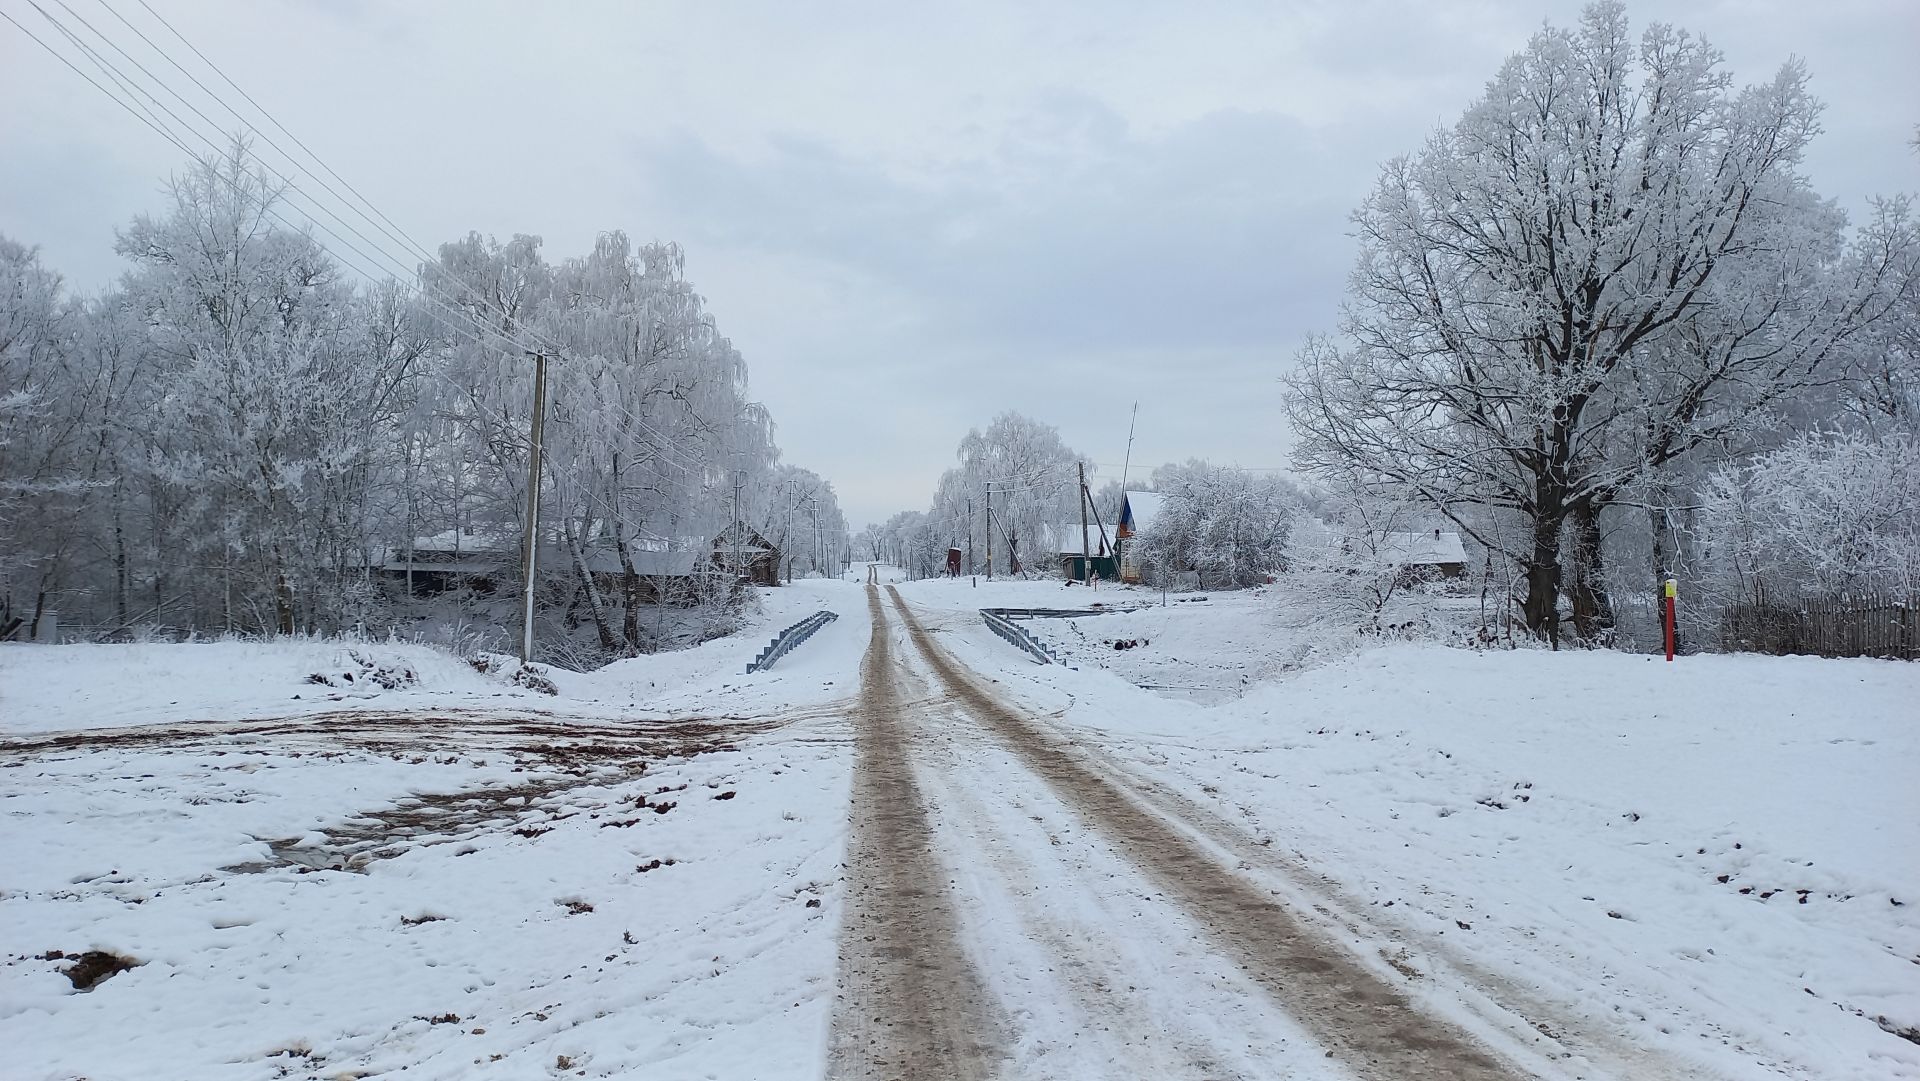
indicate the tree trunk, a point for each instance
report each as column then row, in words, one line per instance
column 630, row 619
column 596, row 607
column 282, row 594
column 1541, row 609
column 121, row 580
column 1593, row 618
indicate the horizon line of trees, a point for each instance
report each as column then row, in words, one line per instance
column 236, row 435
column 1226, row 527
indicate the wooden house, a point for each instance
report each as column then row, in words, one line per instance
column 1073, row 561
column 1427, row 554
column 753, row 557
column 1137, row 513
column 452, row 560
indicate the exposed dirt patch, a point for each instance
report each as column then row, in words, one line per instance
column 910, row 1003
column 534, row 736
column 559, row 755
column 92, row 967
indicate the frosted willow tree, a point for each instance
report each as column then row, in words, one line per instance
column 1022, row 468
column 649, row 420
column 270, row 404
column 1610, row 260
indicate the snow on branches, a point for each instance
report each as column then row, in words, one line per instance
column 1610, row 260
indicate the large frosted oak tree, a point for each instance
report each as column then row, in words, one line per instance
column 1610, row 260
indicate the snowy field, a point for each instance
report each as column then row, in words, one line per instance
column 1709, row 868
column 1717, row 859
column 459, row 877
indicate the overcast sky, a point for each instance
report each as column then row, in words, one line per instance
column 909, row 222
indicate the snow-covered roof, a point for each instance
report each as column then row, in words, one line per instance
column 454, row 540
column 1423, row 549
column 1141, row 509
column 1070, row 541
column 673, row 563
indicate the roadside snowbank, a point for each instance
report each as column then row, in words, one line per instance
column 46, row 688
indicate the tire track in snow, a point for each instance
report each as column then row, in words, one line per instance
column 1044, row 907
column 910, row 1003
column 1372, row 1026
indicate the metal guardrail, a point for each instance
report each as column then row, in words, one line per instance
column 999, row 623
column 786, row 640
column 1061, row 613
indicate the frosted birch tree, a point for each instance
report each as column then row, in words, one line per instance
column 1021, row 469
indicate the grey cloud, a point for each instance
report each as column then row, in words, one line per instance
column 1225, row 231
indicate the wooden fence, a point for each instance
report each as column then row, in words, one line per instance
column 1855, row 626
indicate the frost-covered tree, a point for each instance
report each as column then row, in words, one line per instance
column 1610, row 260
column 269, row 416
column 239, row 434
column 906, row 540
column 797, row 511
column 43, row 437
column 1225, row 525
column 1020, row 468
column 1823, row 514
column 649, row 426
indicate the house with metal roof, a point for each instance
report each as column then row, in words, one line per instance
column 1137, row 513
column 1437, row 551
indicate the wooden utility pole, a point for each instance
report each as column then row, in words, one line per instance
column 531, row 549
column 1086, row 557
column 970, row 566
column 989, row 531
column 816, row 536
column 738, row 483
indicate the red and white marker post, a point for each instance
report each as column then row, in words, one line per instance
column 1672, row 591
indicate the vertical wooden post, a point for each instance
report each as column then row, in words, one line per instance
column 533, row 504
column 1672, row 588
column 989, row 531
column 1086, row 557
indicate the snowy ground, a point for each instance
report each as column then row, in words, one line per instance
column 458, row 878
column 1716, row 860
column 1710, row 868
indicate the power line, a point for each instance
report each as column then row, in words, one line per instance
column 449, row 305
column 664, row 449
column 402, row 233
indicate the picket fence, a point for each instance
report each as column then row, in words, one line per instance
column 1847, row 626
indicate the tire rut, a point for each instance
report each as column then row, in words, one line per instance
column 1370, row 1025
column 911, row 1006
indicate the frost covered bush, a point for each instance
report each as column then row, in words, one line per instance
column 1824, row 514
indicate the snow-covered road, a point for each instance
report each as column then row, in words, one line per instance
column 1053, row 862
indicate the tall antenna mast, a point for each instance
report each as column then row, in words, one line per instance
column 1128, row 460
